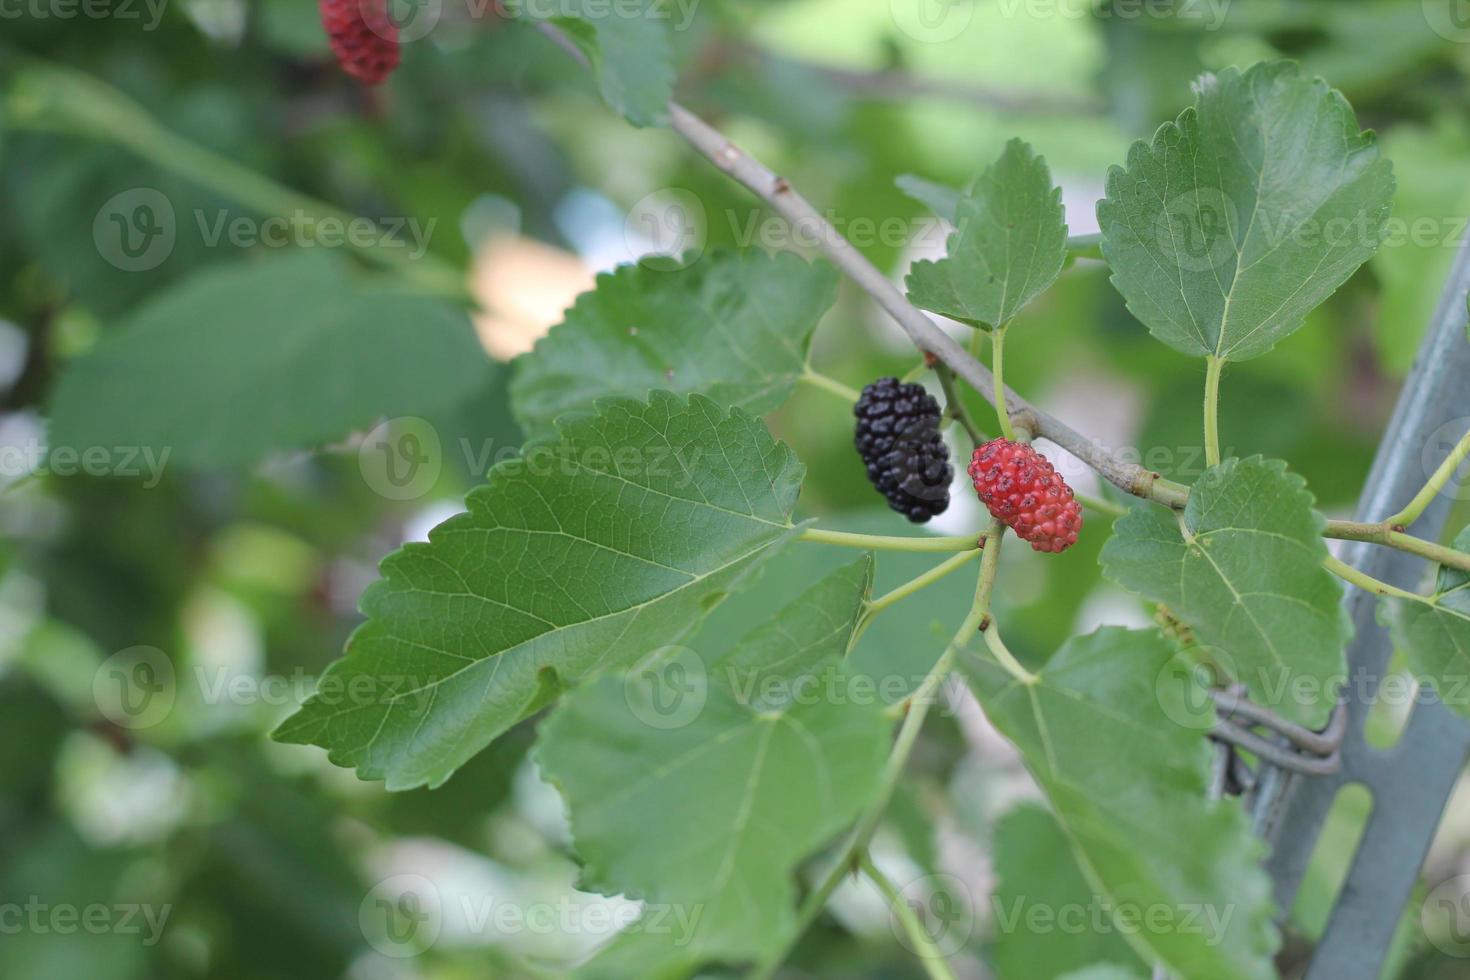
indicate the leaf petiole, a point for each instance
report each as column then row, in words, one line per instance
column 916, row 584
column 1436, row 484
column 953, row 406
column 923, row 944
column 1368, row 583
column 1212, row 409
column 919, row 703
column 882, row 542
column 997, row 369
column 831, row 385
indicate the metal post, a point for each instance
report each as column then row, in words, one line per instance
column 1411, row 781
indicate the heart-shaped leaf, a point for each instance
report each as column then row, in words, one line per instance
column 1177, row 872
column 580, row 556
column 1242, row 565
column 1245, row 213
column 1009, row 244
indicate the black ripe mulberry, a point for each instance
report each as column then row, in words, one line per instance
column 898, row 438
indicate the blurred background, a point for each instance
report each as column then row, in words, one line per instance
column 157, row 621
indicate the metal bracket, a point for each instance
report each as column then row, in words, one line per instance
column 1410, row 782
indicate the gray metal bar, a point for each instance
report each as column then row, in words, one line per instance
column 1411, row 782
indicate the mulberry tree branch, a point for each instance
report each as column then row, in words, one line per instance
column 1129, row 477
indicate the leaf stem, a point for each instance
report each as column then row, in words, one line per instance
column 1212, row 409
column 1368, row 583
column 919, row 703
column 1384, row 534
column 1437, row 483
column 923, row 944
column 1100, row 505
column 1004, row 657
column 997, row 367
column 953, row 404
column 916, row 584
column 818, row 380
column 884, row 542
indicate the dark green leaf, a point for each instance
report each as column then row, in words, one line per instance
column 734, row 326
column 1128, row 786
column 1245, row 213
column 1049, row 920
column 706, row 812
column 1009, row 244
column 1243, row 566
column 581, row 556
column 288, row 353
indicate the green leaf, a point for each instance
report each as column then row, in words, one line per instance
column 1128, row 787
column 1435, row 637
column 768, row 663
column 580, row 556
column 1009, row 244
column 1245, row 213
column 706, row 816
column 1243, row 566
column 734, row 326
column 630, row 51
column 943, row 201
column 287, row 353
column 1049, row 920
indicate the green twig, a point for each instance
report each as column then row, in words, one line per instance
column 1437, row 483
column 914, row 585
column 1368, row 583
column 954, row 406
column 818, row 380
column 923, row 944
column 919, row 704
column 997, row 370
column 1100, row 505
column 1212, row 410
column 884, row 542
column 1384, row 534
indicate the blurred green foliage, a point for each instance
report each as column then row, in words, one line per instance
column 264, row 856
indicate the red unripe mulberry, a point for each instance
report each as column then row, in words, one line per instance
column 1024, row 491
column 363, row 37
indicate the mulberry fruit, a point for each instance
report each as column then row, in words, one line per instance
column 363, row 37
column 1024, row 491
column 898, row 438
